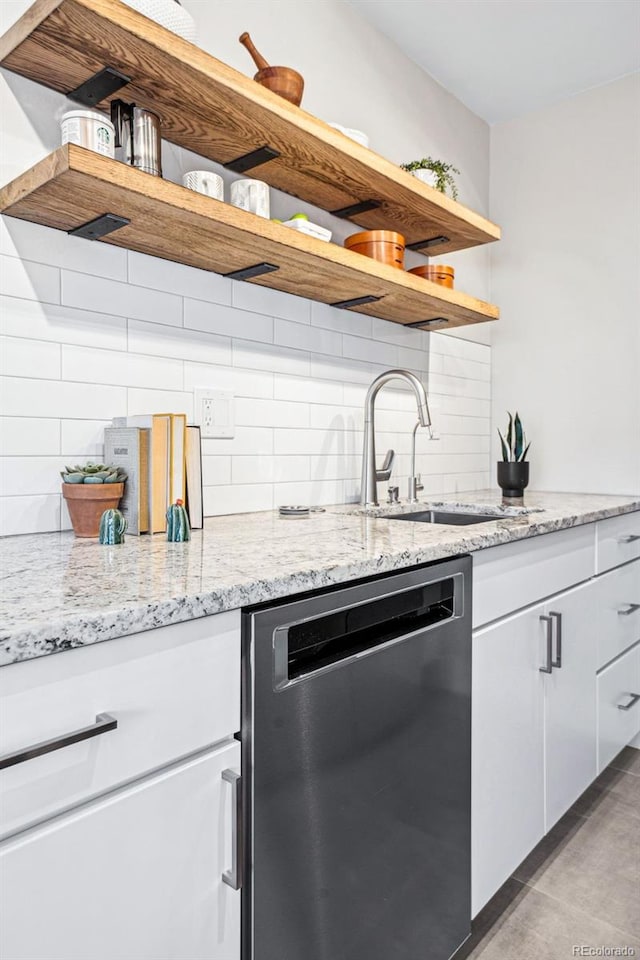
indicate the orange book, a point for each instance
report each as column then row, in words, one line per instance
column 160, row 464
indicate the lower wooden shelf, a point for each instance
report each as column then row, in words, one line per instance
column 74, row 186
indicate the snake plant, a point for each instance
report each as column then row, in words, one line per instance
column 514, row 446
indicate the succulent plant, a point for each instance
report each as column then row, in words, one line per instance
column 515, row 446
column 443, row 171
column 93, row 473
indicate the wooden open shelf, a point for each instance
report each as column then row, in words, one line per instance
column 221, row 114
column 73, row 186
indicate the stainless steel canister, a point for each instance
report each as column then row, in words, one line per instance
column 138, row 134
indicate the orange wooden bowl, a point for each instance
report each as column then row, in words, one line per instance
column 387, row 246
column 284, row 81
column 436, row 272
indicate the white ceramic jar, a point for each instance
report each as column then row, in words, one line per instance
column 203, row 181
column 251, row 195
column 426, row 176
column 168, row 13
column 90, row 129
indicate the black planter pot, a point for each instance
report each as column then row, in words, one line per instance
column 513, row 478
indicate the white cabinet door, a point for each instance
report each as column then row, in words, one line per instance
column 570, row 700
column 507, row 817
column 136, row 875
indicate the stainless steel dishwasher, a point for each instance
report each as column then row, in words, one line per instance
column 356, row 770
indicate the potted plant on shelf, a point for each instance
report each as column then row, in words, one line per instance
column 89, row 491
column 435, row 173
column 513, row 469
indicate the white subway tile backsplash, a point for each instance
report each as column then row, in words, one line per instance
column 227, row 321
column 301, row 337
column 238, row 498
column 29, row 358
column 138, row 335
column 30, row 514
column 55, row 398
column 357, row 348
column 140, row 401
column 156, row 274
column 342, row 321
column 43, row 321
column 271, row 413
column 216, row 471
column 30, row 476
column 30, row 241
column 86, row 365
column 272, row 303
column 242, row 383
column 120, row 299
column 83, row 438
column 29, row 281
column 267, row 356
column 29, row 437
column 158, row 340
column 247, row 441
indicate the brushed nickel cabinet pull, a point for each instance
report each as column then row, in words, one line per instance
column 103, row 723
column 558, row 619
column 233, row 877
column 632, row 702
column 630, row 538
column 548, row 667
column 629, row 609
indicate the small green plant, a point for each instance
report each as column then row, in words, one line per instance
column 515, row 446
column 93, row 473
column 443, row 171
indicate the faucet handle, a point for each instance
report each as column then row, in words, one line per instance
column 387, row 466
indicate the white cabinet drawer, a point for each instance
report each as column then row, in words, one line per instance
column 173, row 690
column 515, row 575
column 618, row 540
column 618, row 711
column 618, row 605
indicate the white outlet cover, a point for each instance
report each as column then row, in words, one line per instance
column 214, row 413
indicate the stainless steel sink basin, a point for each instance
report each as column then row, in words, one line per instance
column 440, row 516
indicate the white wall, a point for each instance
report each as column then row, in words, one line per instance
column 91, row 331
column 565, row 187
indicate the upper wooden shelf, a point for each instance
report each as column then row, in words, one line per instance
column 221, row 114
column 74, row 186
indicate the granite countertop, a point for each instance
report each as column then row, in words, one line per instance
column 59, row 592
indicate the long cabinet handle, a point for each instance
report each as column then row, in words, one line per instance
column 233, row 877
column 103, row 723
column 629, row 609
column 558, row 620
column 630, row 538
column 548, row 667
column 632, row 702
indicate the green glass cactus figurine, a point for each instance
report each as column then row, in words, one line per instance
column 112, row 527
column 178, row 530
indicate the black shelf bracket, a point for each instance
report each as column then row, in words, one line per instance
column 355, row 209
column 254, row 159
column 248, row 273
column 430, row 242
column 356, row 302
column 99, row 86
column 100, row 227
column 427, row 323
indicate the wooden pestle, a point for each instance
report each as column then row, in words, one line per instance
column 258, row 59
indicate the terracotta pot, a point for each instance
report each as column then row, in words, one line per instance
column 284, row 81
column 436, row 272
column 383, row 245
column 87, row 502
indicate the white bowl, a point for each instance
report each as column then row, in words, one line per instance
column 356, row 135
column 169, row 14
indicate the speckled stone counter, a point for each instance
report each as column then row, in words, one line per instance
column 59, row 592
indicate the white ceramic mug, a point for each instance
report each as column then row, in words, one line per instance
column 203, row 181
column 251, row 195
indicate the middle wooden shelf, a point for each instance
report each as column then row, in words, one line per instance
column 72, row 187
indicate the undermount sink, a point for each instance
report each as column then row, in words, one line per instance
column 440, row 516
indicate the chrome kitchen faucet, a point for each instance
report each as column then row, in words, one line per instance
column 370, row 474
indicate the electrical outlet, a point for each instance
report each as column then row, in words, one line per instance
column 214, row 413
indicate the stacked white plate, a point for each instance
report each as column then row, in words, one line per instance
column 170, row 14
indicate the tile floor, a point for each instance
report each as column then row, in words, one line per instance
column 580, row 887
